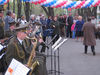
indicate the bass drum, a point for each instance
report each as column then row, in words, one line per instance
column 3, row 64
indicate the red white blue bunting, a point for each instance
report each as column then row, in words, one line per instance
column 61, row 3
column 67, row 4
column 2, row 2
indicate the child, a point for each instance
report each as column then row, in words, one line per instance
column 73, row 30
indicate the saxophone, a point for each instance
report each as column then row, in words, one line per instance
column 30, row 63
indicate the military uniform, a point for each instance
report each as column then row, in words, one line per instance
column 1, row 28
column 21, row 52
column 15, row 50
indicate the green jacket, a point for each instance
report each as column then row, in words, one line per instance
column 15, row 50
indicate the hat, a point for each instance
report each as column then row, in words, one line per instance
column 22, row 27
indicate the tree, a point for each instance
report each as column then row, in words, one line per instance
column 19, row 6
column 87, row 12
column 27, row 10
column 13, row 6
column 49, row 11
column 8, row 6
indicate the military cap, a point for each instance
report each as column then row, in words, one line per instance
column 22, row 27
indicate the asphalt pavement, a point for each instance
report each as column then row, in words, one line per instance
column 73, row 61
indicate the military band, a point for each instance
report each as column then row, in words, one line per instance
column 20, row 46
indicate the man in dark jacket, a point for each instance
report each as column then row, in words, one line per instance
column 62, row 23
column 70, row 22
column 55, row 25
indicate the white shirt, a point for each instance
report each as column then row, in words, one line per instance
column 94, row 21
column 23, row 22
column 20, row 41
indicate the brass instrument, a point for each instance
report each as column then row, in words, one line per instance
column 30, row 63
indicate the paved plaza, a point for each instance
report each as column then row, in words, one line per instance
column 73, row 61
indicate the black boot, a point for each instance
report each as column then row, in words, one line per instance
column 93, row 51
column 85, row 52
column 86, row 49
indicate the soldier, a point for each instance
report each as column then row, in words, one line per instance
column 1, row 25
column 15, row 48
column 20, row 49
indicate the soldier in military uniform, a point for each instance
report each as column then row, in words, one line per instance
column 1, row 25
column 15, row 48
column 20, row 49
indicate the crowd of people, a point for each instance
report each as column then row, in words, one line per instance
column 17, row 34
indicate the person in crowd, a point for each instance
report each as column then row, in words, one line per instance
column 56, row 28
column 62, row 23
column 73, row 29
column 23, row 20
column 94, row 20
column 97, row 34
column 14, row 16
column 89, row 36
column 70, row 22
column 32, row 19
column 44, row 26
column 78, row 28
column 6, row 26
column 66, row 27
column 48, row 22
column 1, row 25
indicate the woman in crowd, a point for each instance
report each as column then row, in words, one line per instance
column 78, row 28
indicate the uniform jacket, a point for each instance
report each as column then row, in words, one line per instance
column 17, row 51
column 89, row 34
column 1, row 28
